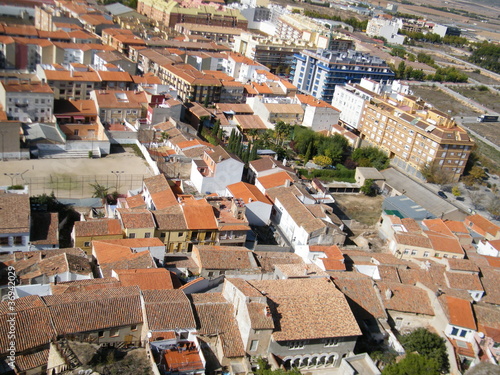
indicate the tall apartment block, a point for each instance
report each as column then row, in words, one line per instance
column 318, row 72
column 413, row 133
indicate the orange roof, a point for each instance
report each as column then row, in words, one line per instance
column 262, row 88
column 239, row 58
column 444, row 243
column 114, row 76
column 109, row 253
column 66, row 75
column 146, row 278
column 135, row 242
column 250, row 90
column 312, row 101
column 199, row 214
column 247, row 192
column 484, row 224
column 460, row 312
column 288, row 84
column 438, row 225
column 275, row 179
column 247, row 122
column 25, row 86
column 456, row 226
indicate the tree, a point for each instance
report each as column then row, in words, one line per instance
column 455, row 190
column 494, row 206
column 429, row 345
column 368, row 188
column 308, row 154
column 434, row 174
column 413, row 364
column 215, row 129
column 477, row 173
column 476, row 198
column 265, row 369
column 370, row 157
column 100, row 191
column 322, row 160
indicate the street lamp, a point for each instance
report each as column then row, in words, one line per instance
column 117, row 174
column 12, row 176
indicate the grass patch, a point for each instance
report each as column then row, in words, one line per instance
column 136, row 149
column 488, row 156
column 341, row 174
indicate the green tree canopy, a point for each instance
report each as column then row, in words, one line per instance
column 370, row 157
column 429, row 345
column 413, row 364
column 368, row 188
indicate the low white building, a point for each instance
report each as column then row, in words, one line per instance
column 241, row 67
column 461, row 322
column 318, row 114
column 489, row 248
column 216, row 171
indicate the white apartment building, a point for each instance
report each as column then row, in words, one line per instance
column 27, row 101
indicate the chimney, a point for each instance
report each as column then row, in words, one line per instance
column 287, row 183
column 388, row 294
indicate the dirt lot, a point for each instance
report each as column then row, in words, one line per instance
column 361, row 208
column 71, row 178
column 487, row 98
column 443, row 101
column 481, row 78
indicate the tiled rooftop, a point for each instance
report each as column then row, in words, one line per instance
column 168, row 310
column 307, row 309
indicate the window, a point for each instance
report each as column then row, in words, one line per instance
column 163, row 235
column 414, row 252
column 296, row 345
column 437, row 255
column 463, row 333
column 426, row 254
column 179, row 234
column 147, row 235
column 101, row 333
column 131, row 235
column 133, row 327
column 331, row 342
column 76, row 132
column 254, row 345
column 86, row 244
column 114, row 333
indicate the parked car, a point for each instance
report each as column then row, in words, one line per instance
column 442, row 194
column 461, row 199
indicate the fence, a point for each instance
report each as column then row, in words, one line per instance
column 68, row 186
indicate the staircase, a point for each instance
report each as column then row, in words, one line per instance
column 68, row 154
column 69, row 356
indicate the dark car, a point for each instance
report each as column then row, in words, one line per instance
column 461, row 199
column 442, row 194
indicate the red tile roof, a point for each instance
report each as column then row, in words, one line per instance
column 146, row 278
column 459, row 312
column 100, row 227
column 405, row 298
column 168, row 310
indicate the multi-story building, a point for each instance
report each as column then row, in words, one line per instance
column 191, row 84
column 414, row 134
column 116, row 106
column 266, row 50
column 318, row 72
column 217, row 34
column 386, row 26
column 171, row 12
column 27, row 101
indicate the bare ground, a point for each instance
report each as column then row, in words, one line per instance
column 488, row 98
column 360, row 207
column 443, row 101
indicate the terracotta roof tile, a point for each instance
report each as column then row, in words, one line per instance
column 458, row 311
column 199, row 214
column 146, row 278
column 445, row 244
column 464, row 281
column 482, row 224
column 14, row 213
column 267, row 260
column 168, row 310
column 30, row 361
column 260, row 317
column 224, row 258
column 462, row 265
column 275, row 179
column 247, row 192
column 486, row 316
column 217, row 318
column 33, row 324
column 84, row 285
column 171, row 218
column 405, row 298
column 99, row 227
column 136, row 218
column 413, row 240
column 362, row 297
column 95, row 310
column 307, row 309
column 45, row 228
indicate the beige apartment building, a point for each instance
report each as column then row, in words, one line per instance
column 414, row 133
